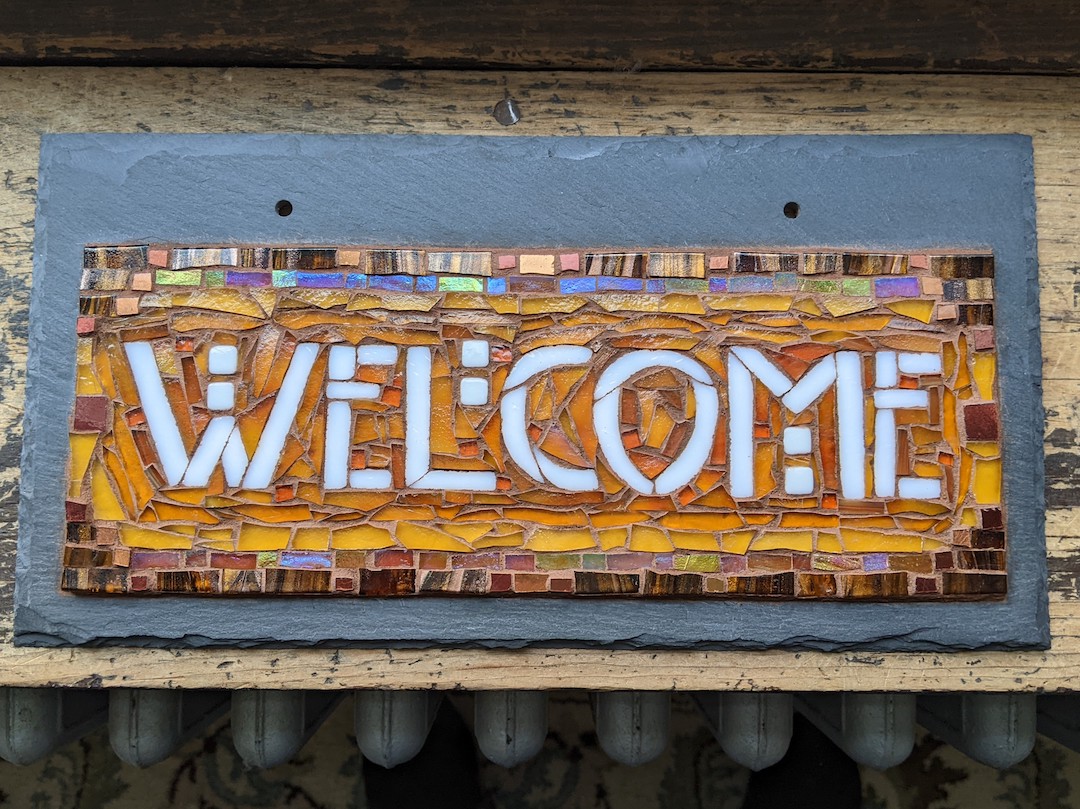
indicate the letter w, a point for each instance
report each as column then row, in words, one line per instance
column 221, row 439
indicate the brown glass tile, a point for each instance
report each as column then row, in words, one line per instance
column 766, row 262
column 436, row 581
column 91, row 414
column 780, row 584
column 962, row 266
column 79, row 533
column 116, row 258
column 822, row 263
column 240, row 581
column 188, row 581
column 981, row 422
column 911, row 562
column 668, row 584
column 395, row 582
column 474, row 581
column 816, row 585
column 393, row 262
column 87, row 557
column 973, row 584
column 980, row 559
column 624, row 265
column 987, row 538
column 975, row 314
column 874, row 264
column 874, row 585
column 594, row 583
column 284, row 580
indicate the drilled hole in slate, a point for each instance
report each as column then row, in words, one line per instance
column 791, row 210
column 283, row 207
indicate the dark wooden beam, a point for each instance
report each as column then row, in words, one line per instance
column 1003, row 36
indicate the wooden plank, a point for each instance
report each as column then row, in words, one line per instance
column 180, row 100
column 921, row 35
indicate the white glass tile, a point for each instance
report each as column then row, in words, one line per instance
column 885, row 453
column 260, row 472
column 607, row 424
column 222, row 359
column 799, row 480
column 474, row 353
column 514, row 436
column 474, row 391
column 377, row 354
column 797, row 440
column 352, row 390
column 220, row 395
column 211, row 446
column 812, row 384
column 850, row 418
column 920, row 363
column 342, row 364
column 338, row 444
column 370, row 479
column 741, row 421
column 688, row 463
column 885, row 373
column 159, row 416
column 417, row 413
column 920, row 488
column 770, row 376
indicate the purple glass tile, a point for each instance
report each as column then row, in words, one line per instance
column 356, row 280
column 629, row 561
column 247, row 279
column 785, row 282
column 654, row 285
column 751, row 283
column 310, row 560
column 427, row 283
column 896, row 287
column 663, row 561
column 875, row 561
column 320, row 280
column 577, row 285
column 718, row 284
column 400, row 283
column 604, row 283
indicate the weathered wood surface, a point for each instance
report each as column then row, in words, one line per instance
column 1031, row 36
column 179, row 100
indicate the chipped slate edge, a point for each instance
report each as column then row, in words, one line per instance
column 895, row 193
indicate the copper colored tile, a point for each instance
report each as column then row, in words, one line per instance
column 780, row 584
column 84, row 325
column 816, row 585
column 973, row 584
column 591, row 583
column 677, row 584
column 393, row 582
column 874, row 585
column 91, row 414
column 530, row 582
column 981, row 422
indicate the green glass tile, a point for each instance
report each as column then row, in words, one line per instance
column 818, row 285
column 267, row 559
column 214, row 278
column 858, row 286
column 558, row 561
column 594, row 561
column 698, row 562
column 461, row 285
column 283, row 278
column 178, row 278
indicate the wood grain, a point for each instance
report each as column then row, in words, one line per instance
column 1037, row 36
column 209, row 100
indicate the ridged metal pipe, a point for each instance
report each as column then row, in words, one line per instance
column 877, row 730
column 510, row 726
column 392, row 726
column 270, row 727
column 147, row 725
column 994, row 729
column 632, row 726
column 36, row 721
column 753, row 729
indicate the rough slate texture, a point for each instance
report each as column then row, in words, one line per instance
column 929, row 180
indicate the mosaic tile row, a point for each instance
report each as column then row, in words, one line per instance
column 801, row 437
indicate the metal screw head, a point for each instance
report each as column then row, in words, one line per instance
column 507, row 112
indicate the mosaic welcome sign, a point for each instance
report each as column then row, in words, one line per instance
column 377, row 421
column 381, row 421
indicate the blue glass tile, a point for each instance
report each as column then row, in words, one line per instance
column 785, row 282
column 311, row 560
column 718, row 284
column 496, row 286
column 356, row 280
column 427, row 283
column 400, row 283
column 604, row 283
column 751, row 283
column 654, row 285
column 577, row 285
column 320, row 280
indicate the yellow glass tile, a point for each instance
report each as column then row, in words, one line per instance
column 217, row 545
column 933, row 545
column 952, row 434
column 235, row 301
column 106, row 504
column 987, row 482
column 86, row 381
column 137, row 537
column 361, row 537
column 193, row 497
column 171, row 511
column 568, row 517
column 758, row 519
column 807, row 306
column 828, row 542
column 550, row 539
column 311, row 539
column 562, row 303
column 420, row 537
column 833, row 336
column 984, row 449
column 969, row 517
column 966, row 465
column 926, row 469
column 648, row 539
column 255, row 537
column 392, row 513
column 985, row 368
column 963, row 376
column 797, row 520
column 918, row 524
column 653, row 322
column 134, row 468
column 358, row 501
column 626, row 302
column 611, row 519
column 613, row 538
column 82, row 447
column 922, row 311
column 764, row 479
column 220, row 502
column 701, row 521
column 513, row 539
column 867, row 522
column 916, row 507
column 279, row 513
column 216, row 534
column 736, row 541
column 694, row 540
column 750, row 303
column 469, row 532
column 255, row 496
column 681, row 304
column 843, row 305
column 861, row 541
column 784, row 540
column 924, row 436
